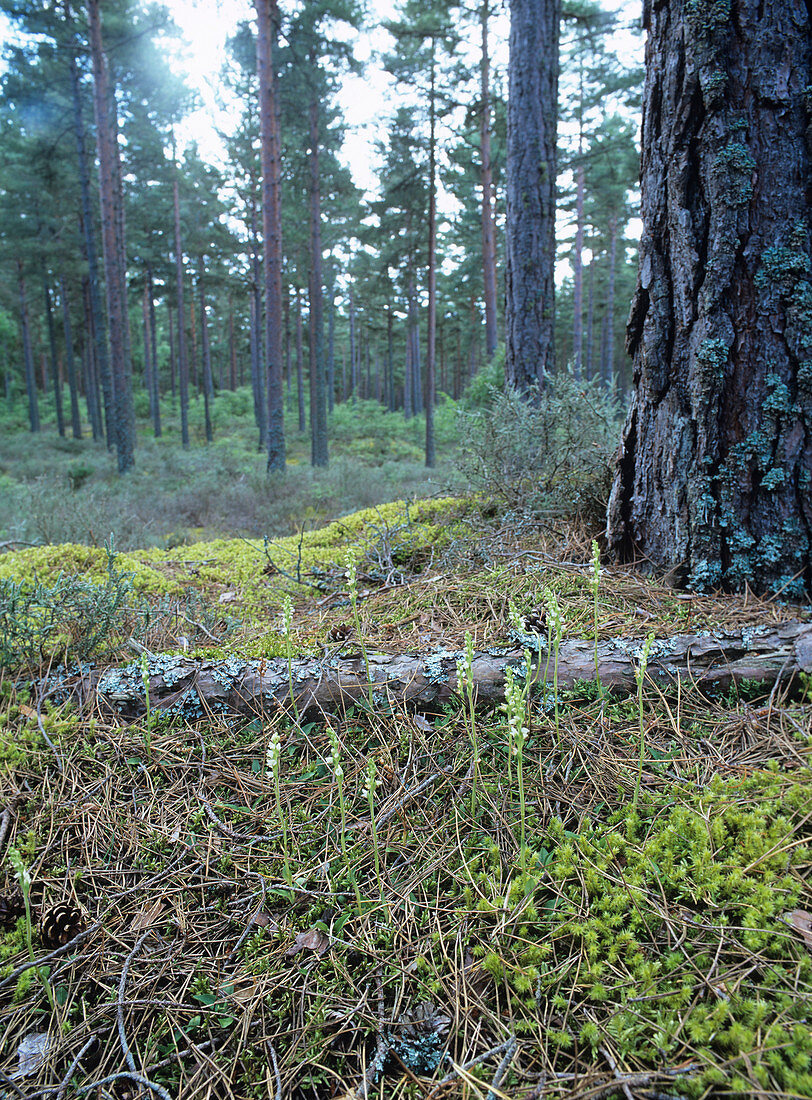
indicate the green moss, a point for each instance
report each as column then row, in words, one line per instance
column 732, row 172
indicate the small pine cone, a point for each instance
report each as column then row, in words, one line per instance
column 535, row 621
column 339, row 633
column 60, row 923
column 12, row 906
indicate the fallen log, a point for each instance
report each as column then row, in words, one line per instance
column 427, row 681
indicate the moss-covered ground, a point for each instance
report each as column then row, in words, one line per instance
column 347, row 906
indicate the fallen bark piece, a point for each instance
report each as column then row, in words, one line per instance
column 708, row 660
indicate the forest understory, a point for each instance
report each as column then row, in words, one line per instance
column 584, row 893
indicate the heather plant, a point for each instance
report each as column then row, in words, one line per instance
column 547, row 453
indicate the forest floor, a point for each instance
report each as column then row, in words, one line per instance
column 55, row 490
column 344, row 904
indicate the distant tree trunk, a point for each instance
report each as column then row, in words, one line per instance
column 232, row 349
column 486, row 179
column 208, row 384
column 288, row 346
column 153, row 339
column 192, row 357
column 531, row 177
column 183, row 365
column 318, row 397
column 75, row 417
column 300, row 365
column 390, row 358
column 609, row 361
column 89, row 239
column 89, row 366
column 115, row 291
column 55, row 382
column 257, row 358
column 172, row 359
column 331, row 348
column 431, row 334
column 590, row 320
column 353, row 369
column 578, row 270
column 408, row 372
column 267, row 26
column 714, row 476
column 147, row 354
column 28, row 357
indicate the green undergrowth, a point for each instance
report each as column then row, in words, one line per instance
column 237, row 880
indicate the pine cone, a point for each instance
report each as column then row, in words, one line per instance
column 60, row 923
column 12, row 906
column 535, row 621
column 339, row 633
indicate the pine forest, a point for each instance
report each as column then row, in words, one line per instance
column 405, row 549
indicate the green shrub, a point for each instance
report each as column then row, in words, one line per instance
column 72, row 615
column 549, row 454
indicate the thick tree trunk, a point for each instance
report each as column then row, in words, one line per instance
column 486, row 180
column 318, row 395
column 767, row 655
column 714, row 476
column 267, row 24
column 111, row 247
column 531, row 179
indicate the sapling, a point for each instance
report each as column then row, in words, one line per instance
column 465, row 685
column 23, row 876
column 272, row 764
column 287, row 622
column 516, row 707
column 334, row 762
column 556, row 629
column 148, row 718
column 594, row 583
column 640, row 676
column 371, row 783
column 352, row 588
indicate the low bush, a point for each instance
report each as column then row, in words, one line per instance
column 549, row 453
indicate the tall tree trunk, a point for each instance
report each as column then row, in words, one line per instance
column 353, row 354
column 590, row 320
column 153, row 339
column 75, row 417
column 331, row 347
column 183, row 365
column 609, row 361
column 257, row 358
column 318, row 396
column 116, row 299
column 232, row 347
column 89, row 366
column 193, row 379
column 101, row 357
column 55, row 381
column 531, row 178
column 147, row 350
column 173, row 366
column 714, row 476
column 390, row 358
column 486, row 179
column 208, row 384
column 300, row 365
column 267, row 27
column 28, row 357
column 431, row 336
column 578, row 270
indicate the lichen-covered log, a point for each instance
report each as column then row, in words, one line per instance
column 714, row 475
column 429, row 680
